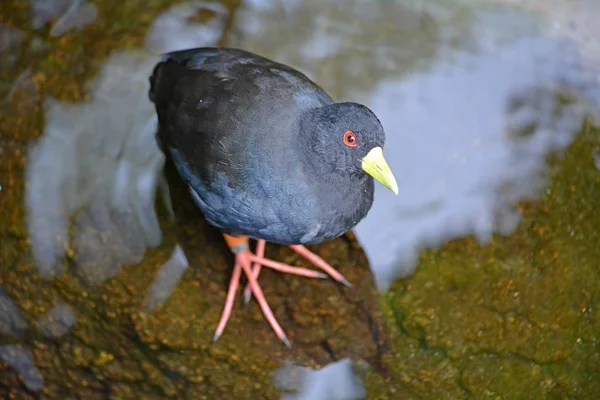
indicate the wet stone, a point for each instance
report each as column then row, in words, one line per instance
column 514, row 315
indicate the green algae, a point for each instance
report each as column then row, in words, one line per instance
column 515, row 318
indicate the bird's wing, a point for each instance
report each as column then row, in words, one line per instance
column 217, row 106
column 224, row 115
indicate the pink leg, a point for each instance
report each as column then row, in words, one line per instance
column 233, row 285
column 286, row 269
column 242, row 261
column 259, row 261
column 320, row 263
column 244, row 258
column 260, row 252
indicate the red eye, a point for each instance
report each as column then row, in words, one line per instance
column 350, row 139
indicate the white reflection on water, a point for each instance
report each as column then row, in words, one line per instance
column 98, row 158
column 166, row 279
column 66, row 14
column 172, row 30
column 21, row 360
column 57, row 321
column 335, row 381
column 11, row 319
column 97, row 163
column 460, row 153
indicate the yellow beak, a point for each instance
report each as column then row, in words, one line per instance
column 375, row 165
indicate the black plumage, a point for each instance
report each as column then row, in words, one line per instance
column 260, row 145
column 268, row 155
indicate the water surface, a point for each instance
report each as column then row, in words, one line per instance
column 105, row 290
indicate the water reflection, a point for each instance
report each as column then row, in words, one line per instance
column 10, row 40
column 473, row 99
column 21, row 360
column 174, row 30
column 99, row 160
column 11, row 320
column 166, row 279
column 345, row 49
column 67, row 14
column 57, row 321
column 335, row 381
column 489, row 152
column 453, row 88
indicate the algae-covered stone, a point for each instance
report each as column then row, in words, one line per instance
column 517, row 318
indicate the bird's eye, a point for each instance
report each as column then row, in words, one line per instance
column 350, row 139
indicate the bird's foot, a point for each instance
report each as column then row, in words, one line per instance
column 243, row 259
column 242, row 262
column 302, row 251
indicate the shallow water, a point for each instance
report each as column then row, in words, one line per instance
column 441, row 77
column 474, row 96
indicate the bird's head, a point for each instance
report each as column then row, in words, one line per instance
column 349, row 138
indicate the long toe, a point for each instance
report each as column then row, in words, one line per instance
column 287, row 269
column 260, row 252
column 320, row 263
column 233, row 285
column 243, row 258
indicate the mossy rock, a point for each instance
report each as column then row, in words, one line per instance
column 517, row 318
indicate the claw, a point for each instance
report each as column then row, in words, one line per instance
column 242, row 262
column 251, row 265
column 302, row 251
column 320, row 263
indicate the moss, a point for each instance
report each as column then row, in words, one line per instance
column 516, row 318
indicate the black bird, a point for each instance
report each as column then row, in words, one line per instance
column 267, row 155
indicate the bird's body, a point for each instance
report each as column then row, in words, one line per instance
column 268, row 155
column 227, row 105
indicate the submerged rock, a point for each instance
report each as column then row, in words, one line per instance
column 518, row 317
